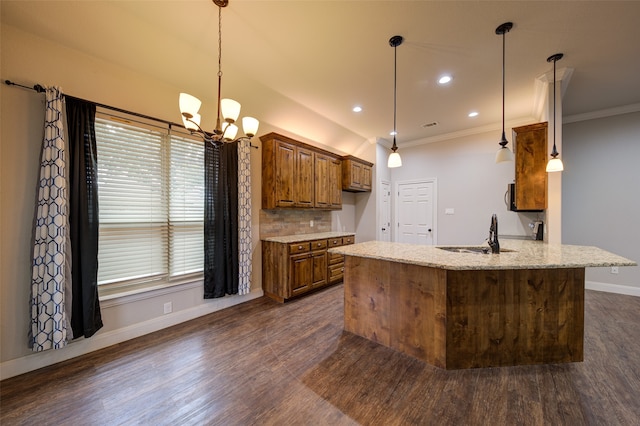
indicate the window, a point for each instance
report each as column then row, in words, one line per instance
column 151, row 198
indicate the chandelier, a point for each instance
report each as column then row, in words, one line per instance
column 228, row 109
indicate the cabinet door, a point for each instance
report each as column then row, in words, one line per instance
column 356, row 175
column 285, row 155
column 365, row 177
column 304, row 179
column 322, row 189
column 530, row 163
column 335, row 184
column 301, row 273
column 319, row 268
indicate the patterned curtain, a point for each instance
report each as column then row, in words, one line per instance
column 50, row 251
column 244, row 216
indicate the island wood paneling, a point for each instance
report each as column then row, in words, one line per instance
column 467, row 319
column 366, row 298
column 514, row 317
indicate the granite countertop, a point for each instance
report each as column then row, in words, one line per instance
column 525, row 255
column 290, row 239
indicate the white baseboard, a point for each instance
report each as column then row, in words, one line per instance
column 612, row 288
column 83, row 346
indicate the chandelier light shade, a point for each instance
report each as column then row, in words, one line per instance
column 394, row 157
column 504, row 153
column 555, row 164
column 228, row 109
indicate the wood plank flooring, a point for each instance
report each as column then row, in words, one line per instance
column 271, row 364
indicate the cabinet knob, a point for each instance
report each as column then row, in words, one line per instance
column 299, row 247
column 319, row 244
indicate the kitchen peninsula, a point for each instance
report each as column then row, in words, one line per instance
column 457, row 308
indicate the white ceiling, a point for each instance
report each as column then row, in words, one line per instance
column 300, row 66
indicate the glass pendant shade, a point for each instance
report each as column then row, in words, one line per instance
column 189, row 104
column 230, row 110
column 230, row 131
column 504, row 154
column 250, row 126
column 192, row 123
column 394, row 160
column 555, row 165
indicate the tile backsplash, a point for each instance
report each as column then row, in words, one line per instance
column 275, row 223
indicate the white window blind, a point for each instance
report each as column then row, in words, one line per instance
column 151, row 198
column 186, row 211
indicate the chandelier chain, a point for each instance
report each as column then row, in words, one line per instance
column 219, row 42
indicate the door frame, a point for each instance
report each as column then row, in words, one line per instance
column 379, row 211
column 434, row 206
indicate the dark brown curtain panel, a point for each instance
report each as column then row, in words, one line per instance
column 86, row 318
column 221, row 268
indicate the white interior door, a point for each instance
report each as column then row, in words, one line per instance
column 384, row 211
column 415, row 212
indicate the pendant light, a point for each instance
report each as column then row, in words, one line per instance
column 504, row 153
column 227, row 108
column 394, row 157
column 555, row 164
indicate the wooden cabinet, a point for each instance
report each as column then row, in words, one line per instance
column 297, row 175
column 336, row 261
column 289, row 270
column 530, row 146
column 356, row 174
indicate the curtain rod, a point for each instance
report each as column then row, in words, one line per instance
column 41, row 89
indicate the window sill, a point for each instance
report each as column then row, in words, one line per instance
column 124, row 296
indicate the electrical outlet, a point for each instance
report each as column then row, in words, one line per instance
column 449, row 210
column 614, row 269
column 168, row 307
column 311, row 223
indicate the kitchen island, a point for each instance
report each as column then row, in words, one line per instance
column 456, row 308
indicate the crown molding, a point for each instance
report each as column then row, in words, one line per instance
column 541, row 91
column 625, row 109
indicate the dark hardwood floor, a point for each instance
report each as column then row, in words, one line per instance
column 292, row 364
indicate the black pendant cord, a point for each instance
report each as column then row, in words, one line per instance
column 504, row 139
column 503, row 30
column 555, row 58
column 395, row 94
column 394, row 42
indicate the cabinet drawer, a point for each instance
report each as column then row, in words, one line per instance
column 336, row 272
column 334, row 242
column 318, row 244
column 348, row 240
column 299, row 247
column 335, row 258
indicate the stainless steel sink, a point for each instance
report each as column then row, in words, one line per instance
column 471, row 249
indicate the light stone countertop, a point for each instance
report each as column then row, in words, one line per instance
column 525, row 255
column 290, row 239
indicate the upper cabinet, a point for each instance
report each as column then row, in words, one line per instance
column 297, row 175
column 530, row 163
column 356, row 174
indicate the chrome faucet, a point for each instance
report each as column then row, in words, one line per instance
column 493, row 235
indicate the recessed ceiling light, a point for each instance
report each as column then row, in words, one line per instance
column 473, row 114
column 357, row 108
column 445, row 79
column 392, row 133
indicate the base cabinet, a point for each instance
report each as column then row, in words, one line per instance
column 289, row 270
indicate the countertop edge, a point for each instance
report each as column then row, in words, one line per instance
column 527, row 259
column 285, row 239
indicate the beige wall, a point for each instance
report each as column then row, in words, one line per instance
column 29, row 60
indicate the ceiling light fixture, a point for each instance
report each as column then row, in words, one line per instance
column 357, row 109
column 445, row 79
column 473, row 114
column 394, row 157
column 228, row 108
column 555, row 164
column 504, row 153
